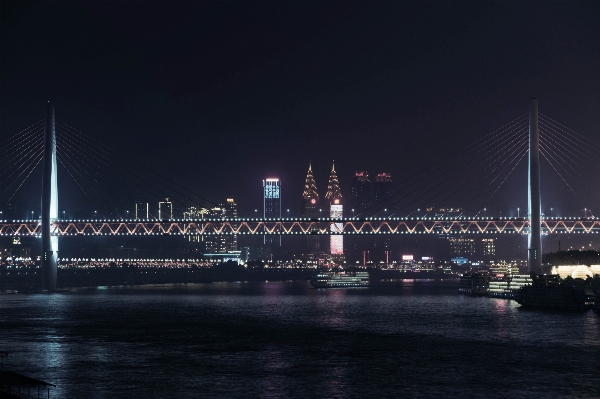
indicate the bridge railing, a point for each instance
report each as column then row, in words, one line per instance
column 319, row 226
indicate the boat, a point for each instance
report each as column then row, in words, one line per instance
column 340, row 280
column 549, row 291
column 474, row 283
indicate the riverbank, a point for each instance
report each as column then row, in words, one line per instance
column 82, row 277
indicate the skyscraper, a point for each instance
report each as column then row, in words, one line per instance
column 334, row 196
column 383, row 191
column 310, row 209
column 272, row 206
column 361, row 192
column 165, row 209
column 230, row 211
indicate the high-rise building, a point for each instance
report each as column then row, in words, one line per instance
column 310, row 209
column 361, row 192
column 334, row 196
column 142, row 210
column 460, row 246
column 272, row 206
column 215, row 243
column 230, row 212
column 165, row 209
column 383, row 191
column 488, row 246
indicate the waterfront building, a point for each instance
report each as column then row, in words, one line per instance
column 311, row 244
column 575, row 271
column 336, row 210
column 272, row 207
column 361, row 192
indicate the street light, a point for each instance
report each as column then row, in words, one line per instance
column 518, row 212
column 352, row 212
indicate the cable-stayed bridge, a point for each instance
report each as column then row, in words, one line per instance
column 558, row 145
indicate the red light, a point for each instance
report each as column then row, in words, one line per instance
column 313, row 201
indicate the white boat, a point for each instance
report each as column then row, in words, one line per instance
column 340, row 280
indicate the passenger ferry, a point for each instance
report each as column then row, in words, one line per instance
column 341, row 280
column 474, row 283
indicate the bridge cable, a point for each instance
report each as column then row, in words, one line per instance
column 503, row 181
column 479, row 170
column 139, row 177
column 563, row 179
column 133, row 180
column 22, row 133
column 135, row 165
column 510, row 145
column 19, row 153
column 63, row 151
column 91, row 156
column 483, row 143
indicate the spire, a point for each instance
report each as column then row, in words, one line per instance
column 333, row 188
column 310, row 188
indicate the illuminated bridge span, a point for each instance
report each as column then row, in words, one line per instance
column 325, row 226
column 92, row 162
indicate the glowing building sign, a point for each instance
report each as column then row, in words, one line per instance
column 272, row 207
column 271, row 188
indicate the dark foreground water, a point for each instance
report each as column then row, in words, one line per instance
column 287, row 340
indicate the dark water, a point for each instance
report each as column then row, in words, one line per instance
column 284, row 339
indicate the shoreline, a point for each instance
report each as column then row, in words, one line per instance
column 90, row 278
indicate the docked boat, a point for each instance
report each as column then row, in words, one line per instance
column 474, row 283
column 549, row 291
column 340, row 280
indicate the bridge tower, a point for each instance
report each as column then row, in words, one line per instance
column 49, row 203
column 534, row 253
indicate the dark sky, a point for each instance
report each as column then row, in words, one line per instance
column 219, row 95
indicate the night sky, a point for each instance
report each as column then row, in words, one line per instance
column 219, row 95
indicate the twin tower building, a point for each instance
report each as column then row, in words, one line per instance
column 312, row 207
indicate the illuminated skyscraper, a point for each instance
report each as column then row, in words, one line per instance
column 230, row 212
column 272, row 206
column 362, row 192
column 310, row 209
column 334, row 196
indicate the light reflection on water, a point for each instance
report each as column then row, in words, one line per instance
column 285, row 339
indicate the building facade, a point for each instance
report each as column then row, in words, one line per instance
column 272, row 207
column 336, row 210
column 165, row 209
column 361, row 192
column 311, row 244
column 383, row 190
